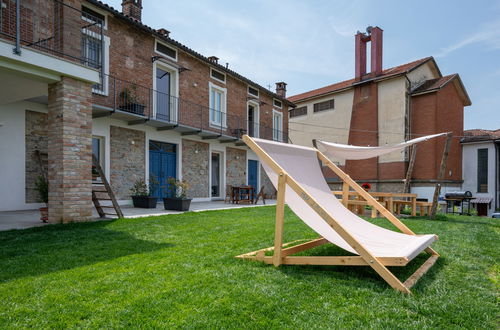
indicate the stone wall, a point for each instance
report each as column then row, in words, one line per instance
column 195, row 170
column 127, row 159
column 236, row 164
column 269, row 189
column 35, row 139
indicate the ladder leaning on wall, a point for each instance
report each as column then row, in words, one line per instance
column 101, row 191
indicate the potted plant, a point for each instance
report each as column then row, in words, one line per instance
column 130, row 100
column 178, row 200
column 366, row 186
column 142, row 194
column 42, row 186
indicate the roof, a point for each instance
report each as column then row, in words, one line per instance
column 394, row 71
column 433, row 85
column 481, row 200
column 186, row 49
column 477, row 135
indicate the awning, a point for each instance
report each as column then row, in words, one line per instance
column 481, row 200
column 343, row 151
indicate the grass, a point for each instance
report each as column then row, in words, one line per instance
column 179, row 271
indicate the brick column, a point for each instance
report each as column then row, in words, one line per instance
column 70, row 151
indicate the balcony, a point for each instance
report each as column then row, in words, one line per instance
column 138, row 104
column 54, row 28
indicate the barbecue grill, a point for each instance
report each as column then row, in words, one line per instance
column 458, row 198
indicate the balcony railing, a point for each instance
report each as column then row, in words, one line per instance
column 53, row 27
column 171, row 112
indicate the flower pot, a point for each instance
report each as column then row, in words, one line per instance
column 145, row 202
column 44, row 214
column 177, row 204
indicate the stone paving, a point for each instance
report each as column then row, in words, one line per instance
column 31, row 218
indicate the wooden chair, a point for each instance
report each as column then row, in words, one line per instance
column 261, row 194
column 229, row 194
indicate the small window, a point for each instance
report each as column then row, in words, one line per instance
column 325, row 105
column 482, row 170
column 165, row 50
column 92, row 16
column 218, row 75
column 277, row 103
column 253, row 91
column 298, row 112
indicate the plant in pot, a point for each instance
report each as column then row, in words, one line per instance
column 42, row 186
column 142, row 194
column 130, row 100
column 178, row 200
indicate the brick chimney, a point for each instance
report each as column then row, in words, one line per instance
column 281, row 89
column 213, row 59
column 132, row 8
column 374, row 36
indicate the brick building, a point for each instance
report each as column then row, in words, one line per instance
column 387, row 106
column 79, row 77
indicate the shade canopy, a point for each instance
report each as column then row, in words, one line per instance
column 347, row 152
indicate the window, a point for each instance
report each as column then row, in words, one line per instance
column 253, row 91
column 277, row 103
column 217, row 105
column 277, row 126
column 98, row 149
column 325, row 105
column 218, row 75
column 482, row 170
column 166, row 50
column 92, row 16
column 298, row 112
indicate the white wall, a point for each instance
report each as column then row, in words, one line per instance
column 469, row 168
column 13, row 155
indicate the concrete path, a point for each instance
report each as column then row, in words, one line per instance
column 31, row 218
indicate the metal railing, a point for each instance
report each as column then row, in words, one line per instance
column 120, row 95
column 53, row 27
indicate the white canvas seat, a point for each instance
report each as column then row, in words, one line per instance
column 304, row 189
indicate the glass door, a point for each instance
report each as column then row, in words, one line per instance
column 216, row 177
column 162, row 94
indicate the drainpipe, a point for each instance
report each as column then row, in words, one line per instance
column 497, row 173
column 17, row 49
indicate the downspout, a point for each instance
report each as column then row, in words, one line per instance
column 497, row 174
column 17, row 49
column 408, row 125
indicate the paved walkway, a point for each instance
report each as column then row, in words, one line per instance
column 31, row 218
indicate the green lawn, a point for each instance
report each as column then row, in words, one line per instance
column 179, row 271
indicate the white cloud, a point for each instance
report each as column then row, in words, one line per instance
column 487, row 36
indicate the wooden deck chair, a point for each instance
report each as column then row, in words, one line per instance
column 295, row 172
column 261, row 195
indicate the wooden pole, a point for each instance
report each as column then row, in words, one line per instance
column 410, row 168
column 280, row 219
column 442, row 169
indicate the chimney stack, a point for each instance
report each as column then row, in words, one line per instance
column 163, row 32
column 132, row 8
column 374, row 36
column 214, row 59
column 281, row 89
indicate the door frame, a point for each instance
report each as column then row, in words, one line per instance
column 177, row 157
column 220, row 150
column 256, row 107
column 174, row 87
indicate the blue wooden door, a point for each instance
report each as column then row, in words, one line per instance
column 253, row 171
column 162, row 165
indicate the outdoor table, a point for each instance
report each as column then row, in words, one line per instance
column 388, row 198
column 238, row 191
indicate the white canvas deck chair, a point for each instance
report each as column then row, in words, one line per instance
column 296, row 174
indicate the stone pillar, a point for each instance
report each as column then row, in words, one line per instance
column 70, row 151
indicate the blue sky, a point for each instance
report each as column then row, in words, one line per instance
column 309, row 44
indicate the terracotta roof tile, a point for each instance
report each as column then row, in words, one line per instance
column 477, row 134
column 348, row 83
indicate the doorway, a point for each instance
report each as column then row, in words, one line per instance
column 253, row 120
column 253, row 174
column 216, row 174
column 162, row 165
column 162, row 92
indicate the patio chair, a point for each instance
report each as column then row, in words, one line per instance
column 261, row 195
column 296, row 174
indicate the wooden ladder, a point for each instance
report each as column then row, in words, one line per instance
column 101, row 191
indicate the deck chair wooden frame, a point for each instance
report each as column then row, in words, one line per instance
column 283, row 253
